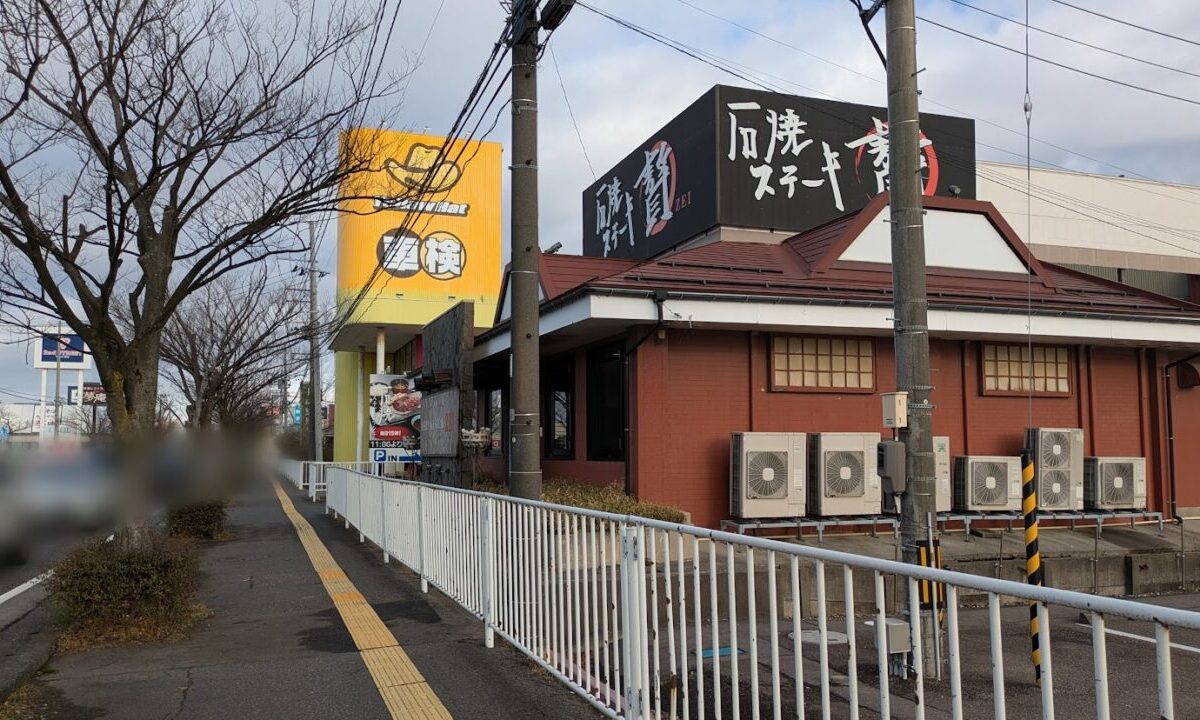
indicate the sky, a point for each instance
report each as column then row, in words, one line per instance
column 622, row 87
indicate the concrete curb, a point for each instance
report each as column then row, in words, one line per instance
column 27, row 646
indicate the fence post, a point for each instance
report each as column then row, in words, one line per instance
column 421, row 540
column 633, row 620
column 487, row 572
column 383, row 521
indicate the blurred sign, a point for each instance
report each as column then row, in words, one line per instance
column 93, row 394
column 62, row 350
column 4, row 433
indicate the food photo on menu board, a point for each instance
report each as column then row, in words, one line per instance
column 395, row 408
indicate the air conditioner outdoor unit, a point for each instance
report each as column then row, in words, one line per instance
column 1115, row 483
column 767, row 475
column 941, row 464
column 1058, row 461
column 987, row 484
column 844, row 477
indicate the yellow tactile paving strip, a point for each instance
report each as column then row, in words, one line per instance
column 404, row 690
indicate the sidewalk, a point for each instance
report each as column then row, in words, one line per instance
column 277, row 647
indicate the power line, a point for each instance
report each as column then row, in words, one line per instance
column 1069, row 39
column 571, row 113
column 777, row 41
column 1126, row 22
column 1097, row 76
column 958, row 111
column 486, row 75
column 697, row 54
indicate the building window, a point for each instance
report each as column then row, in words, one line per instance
column 1011, row 368
column 605, row 404
column 559, row 412
column 822, row 363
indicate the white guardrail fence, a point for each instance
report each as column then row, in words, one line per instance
column 651, row 619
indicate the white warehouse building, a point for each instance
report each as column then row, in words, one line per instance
column 1139, row 232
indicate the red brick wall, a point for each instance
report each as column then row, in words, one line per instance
column 716, row 383
column 1116, row 405
column 693, row 388
column 702, row 399
column 1186, row 412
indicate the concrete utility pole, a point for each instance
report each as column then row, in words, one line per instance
column 525, row 468
column 314, row 347
column 908, row 284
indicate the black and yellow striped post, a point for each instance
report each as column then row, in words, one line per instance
column 1033, row 560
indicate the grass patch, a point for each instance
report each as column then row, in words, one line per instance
column 203, row 521
column 106, row 593
column 607, row 498
column 18, row 706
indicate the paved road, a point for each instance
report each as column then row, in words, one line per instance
column 276, row 648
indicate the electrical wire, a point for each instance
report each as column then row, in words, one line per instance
column 1028, row 105
column 570, row 112
column 1127, row 23
column 1048, row 197
column 1069, row 39
column 1047, row 61
column 963, row 113
column 482, row 82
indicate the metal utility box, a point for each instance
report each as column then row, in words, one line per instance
column 899, row 637
column 891, row 462
column 895, row 409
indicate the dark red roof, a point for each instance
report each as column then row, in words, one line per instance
column 807, row 266
column 560, row 273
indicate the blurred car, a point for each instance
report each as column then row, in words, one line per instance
column 65, row 491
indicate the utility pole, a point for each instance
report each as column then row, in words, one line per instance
column 284, row 418
column 57, row 375
column 314, row 347
column 58, row 328
column 909, row 292
column 525, row 468
column 525, row 427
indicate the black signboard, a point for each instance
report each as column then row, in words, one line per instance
column 754, row 159
column 661, row 194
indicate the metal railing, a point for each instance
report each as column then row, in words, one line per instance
column 314, row 475
column 293, row 471
column 651, row 619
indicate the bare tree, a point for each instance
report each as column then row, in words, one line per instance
column 88, row 420
column 231, row 343
column 150, row 147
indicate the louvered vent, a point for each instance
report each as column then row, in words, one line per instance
column 844, row 475
column 766, row 475
column 1054, row 488
column 989, row 483
column 1116, row 483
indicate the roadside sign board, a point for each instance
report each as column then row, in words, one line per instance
column 61, row 350
column 93, row 394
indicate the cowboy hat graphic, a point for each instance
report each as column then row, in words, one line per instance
column 417, row 172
